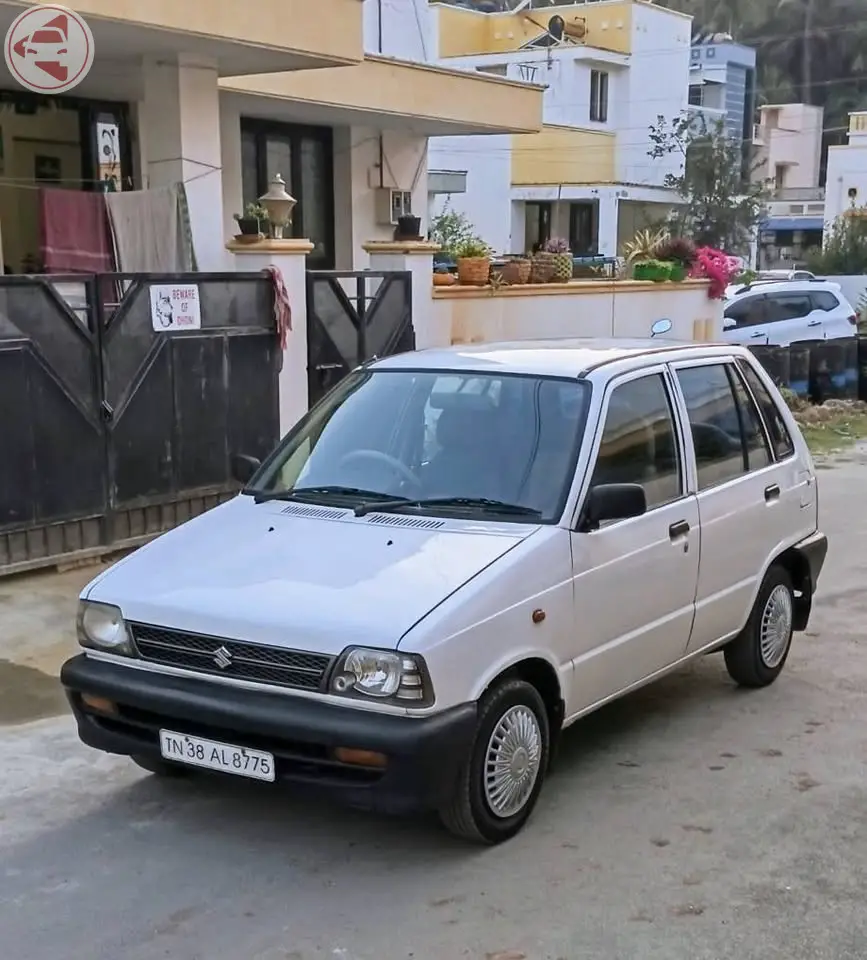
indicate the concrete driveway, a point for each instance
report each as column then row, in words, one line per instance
column 690, row 821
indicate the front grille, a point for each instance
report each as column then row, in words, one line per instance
column 230, row 658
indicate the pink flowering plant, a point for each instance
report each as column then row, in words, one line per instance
column 717, row 267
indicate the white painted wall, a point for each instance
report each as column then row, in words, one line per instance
column 407, row 30
column 487, row 161
column 658, row 83
column 624, row 310
column 847, row 169
column 356, row 177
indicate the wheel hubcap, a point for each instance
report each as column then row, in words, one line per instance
column 512, row 761
column 776, row 626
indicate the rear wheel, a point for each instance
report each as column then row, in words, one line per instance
column 501, row 780
column 756, row 657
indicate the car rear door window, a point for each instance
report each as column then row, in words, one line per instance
column 639, row 442
column 788, row 306
column 781, row 439
column 824, row 300
column 715, row 423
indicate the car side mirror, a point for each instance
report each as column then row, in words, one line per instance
column 244, row 468
column 729, row 323
column 612, row 501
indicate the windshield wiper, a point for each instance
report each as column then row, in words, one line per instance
column 472, row 503
column 328, row 490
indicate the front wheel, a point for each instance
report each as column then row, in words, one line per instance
column 756, row 657
column 500, row 782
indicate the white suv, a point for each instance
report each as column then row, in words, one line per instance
column 451, row 558
column 784, row 312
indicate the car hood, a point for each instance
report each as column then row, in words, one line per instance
column 258, row 573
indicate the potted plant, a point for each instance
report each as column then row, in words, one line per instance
column 515, row 271
column 655, row 270
column 644, row 245
column 716, row 266
column 253, row 222
column 408, row 228
column 561, row 258
column 474, row 262
column 680, row 252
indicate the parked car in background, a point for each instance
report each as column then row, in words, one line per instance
column 451, row 558
column 784, row 312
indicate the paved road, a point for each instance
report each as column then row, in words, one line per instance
column 692, row 821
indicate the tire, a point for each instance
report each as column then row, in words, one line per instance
column 470, row 813
column 748, row 661
column 160, row 768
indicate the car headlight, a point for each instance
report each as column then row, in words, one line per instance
column 382, row 675
column 101, row 627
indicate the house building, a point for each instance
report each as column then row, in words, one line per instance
column 337, row 96
column 787, row 145
column 610, row 69
column 846, row 180
column 722, row 87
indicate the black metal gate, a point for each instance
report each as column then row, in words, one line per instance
column 113, row 429
column 353, row 316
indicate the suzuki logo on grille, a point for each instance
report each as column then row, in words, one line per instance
column 222, row 658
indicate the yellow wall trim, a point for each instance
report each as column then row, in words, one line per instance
column 465, row 33
column 563, row 155
column 385, row 86
column 291, row 25
column 575, row 288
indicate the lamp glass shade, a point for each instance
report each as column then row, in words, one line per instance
column 278, row 202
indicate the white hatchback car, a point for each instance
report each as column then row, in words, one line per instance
column 787, row 311
column 455, row 555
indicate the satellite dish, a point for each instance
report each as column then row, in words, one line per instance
column 556, row 27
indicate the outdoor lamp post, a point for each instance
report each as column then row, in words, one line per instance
column 279, row 205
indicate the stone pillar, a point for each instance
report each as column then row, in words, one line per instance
column 609, row 214
column 416, row 257
column 290, row 257
column 179, row 136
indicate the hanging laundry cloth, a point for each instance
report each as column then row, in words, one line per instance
column 74, row 231
column 151, row 230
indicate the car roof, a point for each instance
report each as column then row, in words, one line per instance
column 772, row 285
column 552, row 358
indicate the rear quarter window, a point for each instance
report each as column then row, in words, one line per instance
column 824, row 300
column 781, row 439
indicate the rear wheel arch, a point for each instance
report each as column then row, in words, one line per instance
column 798, row 568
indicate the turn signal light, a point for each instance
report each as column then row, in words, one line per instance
column 361, row 758
column 100, row 704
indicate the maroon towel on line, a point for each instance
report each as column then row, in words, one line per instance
column 74, row 231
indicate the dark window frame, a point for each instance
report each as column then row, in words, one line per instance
column 599, row 96
column 746, row 371
column 260, row 130
column 679, row 450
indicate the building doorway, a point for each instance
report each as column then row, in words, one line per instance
column 304, row 157
column 54, row 141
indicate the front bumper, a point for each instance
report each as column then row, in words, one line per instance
column 424, row 754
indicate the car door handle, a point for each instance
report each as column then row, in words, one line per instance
column 678, row 530
column 760, row 333
column 815, row 323
column 772, row 493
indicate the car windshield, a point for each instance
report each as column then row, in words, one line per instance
column 481, row 445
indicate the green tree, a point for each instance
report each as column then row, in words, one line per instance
column 845, row 250
column 718, row 208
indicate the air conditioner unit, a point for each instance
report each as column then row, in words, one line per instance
column 390, row 205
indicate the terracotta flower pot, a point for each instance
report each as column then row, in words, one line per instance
column 562, row 267
column 516, row 272
column 474, row 271
column 541, row 268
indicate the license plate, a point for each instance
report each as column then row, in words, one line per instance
column 212, row 755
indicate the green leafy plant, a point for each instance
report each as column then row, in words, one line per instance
column 845, row 248
column 253, row 211
column 471, row 247
column 644, row 245
column 450, row 229
column 720, row 204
